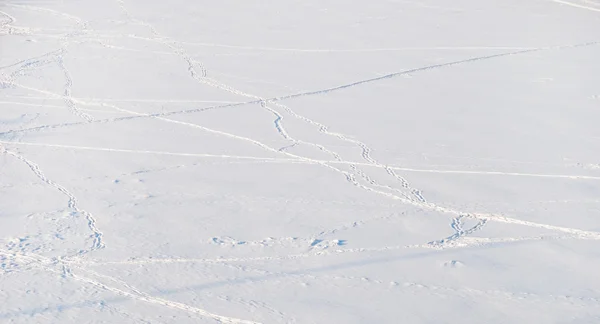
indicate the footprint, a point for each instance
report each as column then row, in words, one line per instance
column 226, row 240
column 322, row 244
column 454, row 264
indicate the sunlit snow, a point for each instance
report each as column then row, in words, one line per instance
column 317, row 161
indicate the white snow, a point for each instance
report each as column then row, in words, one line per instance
column 317, row 161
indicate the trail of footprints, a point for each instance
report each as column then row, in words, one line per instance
column 96, row 236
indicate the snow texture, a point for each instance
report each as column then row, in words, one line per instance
column 318, row 161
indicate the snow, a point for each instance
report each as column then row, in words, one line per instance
column 299, row 161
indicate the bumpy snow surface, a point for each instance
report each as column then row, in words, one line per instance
column 318, row 161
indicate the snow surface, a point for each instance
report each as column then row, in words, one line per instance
column 317, row 161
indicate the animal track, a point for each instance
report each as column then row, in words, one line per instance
column 460, row 233
column 72, row 203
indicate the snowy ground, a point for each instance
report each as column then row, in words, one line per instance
column 317, row 161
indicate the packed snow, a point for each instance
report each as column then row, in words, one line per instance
column 317, row 161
